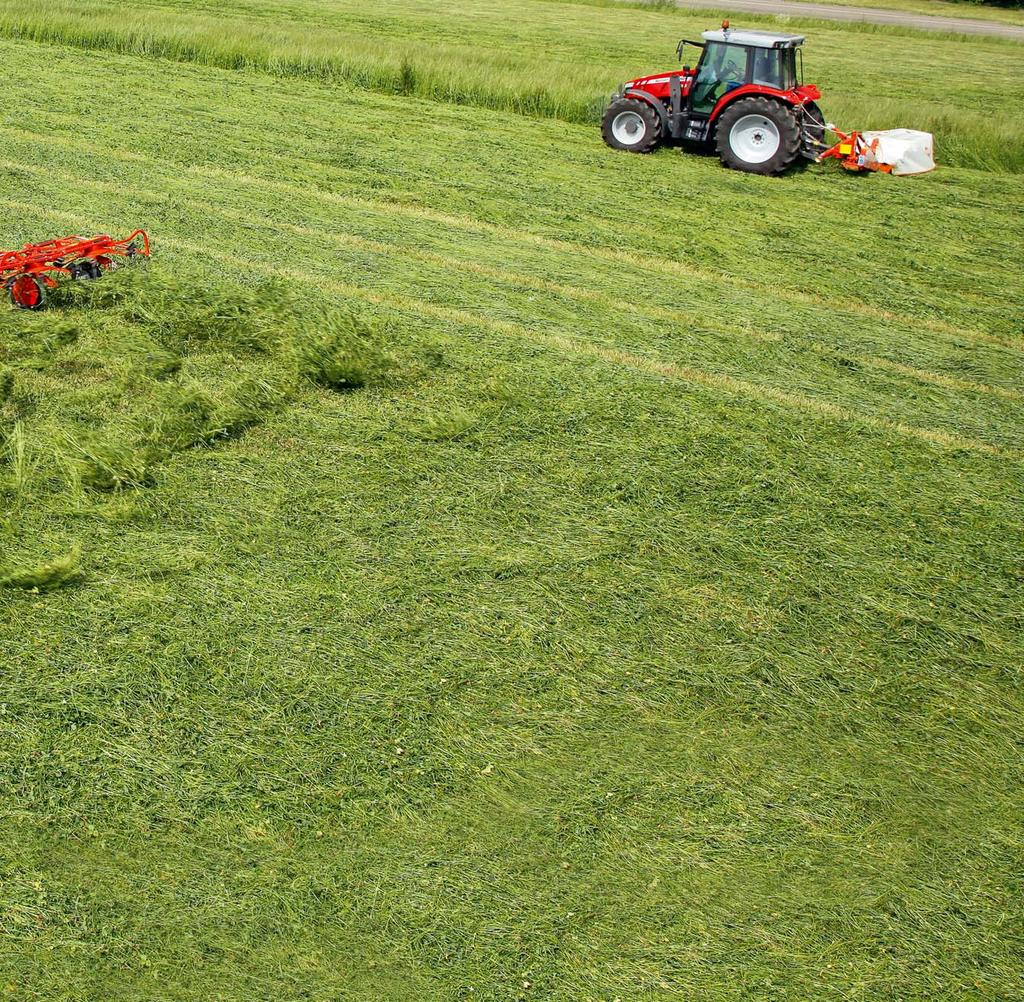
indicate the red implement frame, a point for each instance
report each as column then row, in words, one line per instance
column 28, row 272
column 854, row 152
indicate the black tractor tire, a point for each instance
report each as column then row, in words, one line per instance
column 747, row 133
column 632, row 125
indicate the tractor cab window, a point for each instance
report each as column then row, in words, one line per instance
column 775, row 68
column 722, row 68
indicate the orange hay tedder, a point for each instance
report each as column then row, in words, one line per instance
column 27, row 273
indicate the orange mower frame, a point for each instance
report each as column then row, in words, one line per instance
column 855, row 153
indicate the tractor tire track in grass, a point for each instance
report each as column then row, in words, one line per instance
column 686, row 319
column 608, row 255
column 638, row 261
column 466, row 318
column 645, row 308
column 674, row 317
column 579, row 348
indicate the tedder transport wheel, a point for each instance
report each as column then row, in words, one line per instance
column 758, row 135
column 27, row 292
column 631, row 125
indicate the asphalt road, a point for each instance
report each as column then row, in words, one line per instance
column 829, row 12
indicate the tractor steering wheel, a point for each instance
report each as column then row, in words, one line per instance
column 731, row 74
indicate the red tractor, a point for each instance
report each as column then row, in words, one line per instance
column 744, row 95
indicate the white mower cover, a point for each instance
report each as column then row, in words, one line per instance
column 906, row 151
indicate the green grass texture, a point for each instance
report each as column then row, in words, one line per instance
column 548, row 58
column 467, row 563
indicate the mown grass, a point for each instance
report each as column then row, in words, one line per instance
column 117, row 377
column 650, row 629
column 556, row 59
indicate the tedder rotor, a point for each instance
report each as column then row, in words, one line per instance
column 28, row 272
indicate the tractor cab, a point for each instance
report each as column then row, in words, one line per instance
column 734, row 68
column 733, row 59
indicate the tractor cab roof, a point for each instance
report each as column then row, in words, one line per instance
column 759, row 39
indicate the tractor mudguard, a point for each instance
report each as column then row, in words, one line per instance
column 797, row 96
column 642, row 95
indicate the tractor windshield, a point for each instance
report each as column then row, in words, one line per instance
column 725, row 66
column 722, row 68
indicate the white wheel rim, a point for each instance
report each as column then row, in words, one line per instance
column 755, row 139
column 628, row 128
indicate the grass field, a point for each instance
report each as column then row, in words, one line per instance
column 555, row 58
column 469, row 564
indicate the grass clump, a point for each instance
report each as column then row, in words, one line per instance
column 108, row 466
column 340, row 351
column 163, row 358
column 48, row 576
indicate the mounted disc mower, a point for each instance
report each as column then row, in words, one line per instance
column 29, row 272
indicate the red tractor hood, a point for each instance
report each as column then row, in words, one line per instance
column 659, row 84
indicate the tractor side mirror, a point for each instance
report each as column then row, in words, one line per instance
column 683, row 42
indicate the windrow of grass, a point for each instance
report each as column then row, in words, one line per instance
column 553, row 59
column 99, row 390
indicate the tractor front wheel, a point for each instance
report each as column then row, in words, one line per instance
column 27, row 292
column 758, row 135
column 631, row 125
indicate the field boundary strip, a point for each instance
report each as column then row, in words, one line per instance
column 571, row 292
column 608, row 255
column 721, row 382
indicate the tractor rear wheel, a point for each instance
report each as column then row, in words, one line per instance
column 758, row 135
column 27, row 292
column 813, row 128
column 631, row 125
